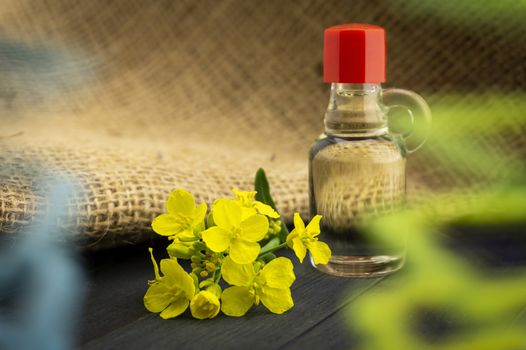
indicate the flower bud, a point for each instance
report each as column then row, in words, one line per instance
column 204, row 305
column 196, row 258
column 210, row 220
column 206, row 283
column 257, row 266
column 199, row 246
column 196, row 279
column 179, row 250
column 215, row 288
column 188, row 239
column 210, row 266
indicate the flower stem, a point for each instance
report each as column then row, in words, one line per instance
column 271, row 249
column 216, row 279
column 214, row 275
column 155, row 266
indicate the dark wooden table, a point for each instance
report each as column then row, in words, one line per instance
column 114, row 316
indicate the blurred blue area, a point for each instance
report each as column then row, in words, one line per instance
column 40, row 285
column 36, row 73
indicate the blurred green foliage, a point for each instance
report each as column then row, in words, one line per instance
column 474, row 12
column 479, row 138
column 438, row 279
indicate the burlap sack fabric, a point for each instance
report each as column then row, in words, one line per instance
column 130, row 99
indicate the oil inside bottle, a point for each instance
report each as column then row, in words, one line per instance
column 352, row 181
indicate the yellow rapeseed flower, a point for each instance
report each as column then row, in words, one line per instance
column 236, row 230
column 182, row 217
column 204, row 305
column 248, row 200
column 271, row 285
column 304, row 238
column 171, row 293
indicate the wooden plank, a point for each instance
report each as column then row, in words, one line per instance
column 335, row 331
column 116, row 318
column 331, row 333
column 115, row 279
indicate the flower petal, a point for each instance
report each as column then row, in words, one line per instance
column 236, row 301
column 313, row 228
column 278, row 273
column 227, row 213
column 247, row 212
column 180, row 202
column 254, row 228
column 157, row 297
column 320, row 252
column 176, row 308
column 166, row 225
column 175, row 275
column 290, row 237
column 298, row 222
column 244, row 252
column 216, row 238
column 237, row 274
column 265, row 209
column 199, row 214
column 299, row 249
column 277, row 300
column 246, row 197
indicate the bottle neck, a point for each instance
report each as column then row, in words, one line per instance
column 355, row 110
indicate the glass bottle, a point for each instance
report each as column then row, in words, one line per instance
column 357, row 166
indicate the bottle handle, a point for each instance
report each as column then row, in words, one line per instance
column 418, row 110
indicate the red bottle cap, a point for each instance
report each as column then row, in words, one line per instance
column 354, row 53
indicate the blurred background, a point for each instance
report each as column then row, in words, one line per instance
column 128, row 99
column 134, row 99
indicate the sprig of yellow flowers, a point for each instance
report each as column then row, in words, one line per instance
column 234, row 244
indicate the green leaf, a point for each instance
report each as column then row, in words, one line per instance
column 273, row 243
column 268, row 257
column 284, row 232
column 263, row 189
column 263, row 195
